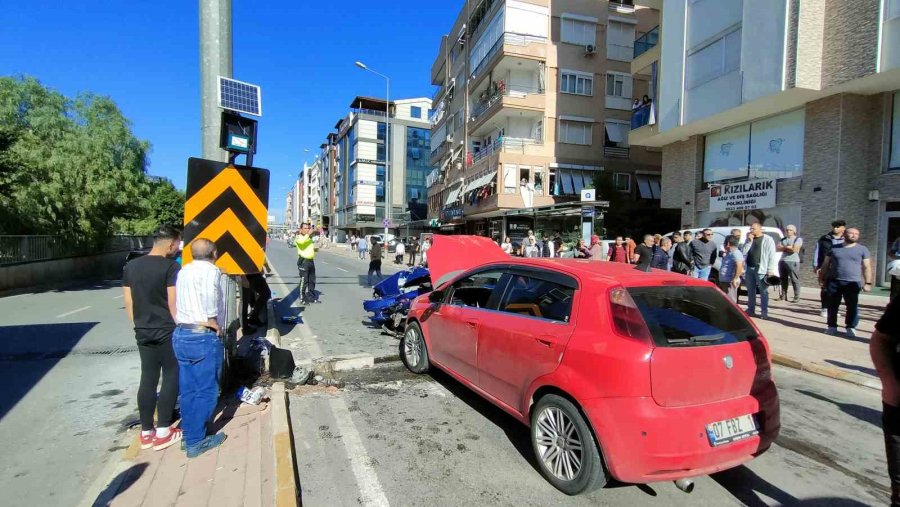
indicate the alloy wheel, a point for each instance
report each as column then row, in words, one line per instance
column 412, row 346
column 559, row 444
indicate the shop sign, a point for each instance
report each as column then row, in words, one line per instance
column 449, row 214
column 745, row 195
column 587, row 211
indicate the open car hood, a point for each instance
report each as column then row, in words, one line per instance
column 450, row 255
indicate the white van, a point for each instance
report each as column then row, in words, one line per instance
column 719, row 235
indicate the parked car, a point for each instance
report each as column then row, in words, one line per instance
column 624, row 374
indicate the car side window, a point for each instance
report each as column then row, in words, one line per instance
column 475, row 290
column 533, row 297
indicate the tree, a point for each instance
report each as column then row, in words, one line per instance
column 72, row 166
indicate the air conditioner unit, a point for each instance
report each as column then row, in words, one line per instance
column 590, row 49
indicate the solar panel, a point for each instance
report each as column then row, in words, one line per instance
column 239, row 96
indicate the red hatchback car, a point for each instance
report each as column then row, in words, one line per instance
column 639, row 376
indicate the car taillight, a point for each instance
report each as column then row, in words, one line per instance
column 626, row 316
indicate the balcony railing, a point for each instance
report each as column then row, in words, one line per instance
column 644, row 115
column 511, row 38
column 645, row 42
column 514, row 91
column 372, row 112
column 507, row 144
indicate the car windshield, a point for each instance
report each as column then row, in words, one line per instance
column 679, row 316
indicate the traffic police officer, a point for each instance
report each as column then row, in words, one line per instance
column 306, row 253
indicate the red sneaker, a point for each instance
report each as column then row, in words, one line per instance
column 147, row 442
column 173, row 437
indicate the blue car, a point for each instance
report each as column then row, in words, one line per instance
column 393, row 296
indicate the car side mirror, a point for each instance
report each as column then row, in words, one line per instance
column 436, row 296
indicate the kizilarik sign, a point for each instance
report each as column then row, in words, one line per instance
column 746, row 195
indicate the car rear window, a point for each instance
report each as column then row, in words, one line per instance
column 679, row 316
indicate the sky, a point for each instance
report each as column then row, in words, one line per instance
column 145, row 56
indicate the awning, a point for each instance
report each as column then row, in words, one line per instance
column 452, row 197
column 565, row 178
column 578, row 179
column 617, row 132
column 648, row 186
column 484, row 179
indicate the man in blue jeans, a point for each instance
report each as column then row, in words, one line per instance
column 200, row 316
column 761, row 262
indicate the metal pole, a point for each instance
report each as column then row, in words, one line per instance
column 388, row 138
column 215, row 60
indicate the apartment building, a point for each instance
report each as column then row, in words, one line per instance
column 780, row 112
column 351, row 167
column 534, row 99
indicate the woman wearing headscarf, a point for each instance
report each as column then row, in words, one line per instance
column 596, row 249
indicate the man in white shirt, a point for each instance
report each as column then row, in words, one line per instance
column 199, row 318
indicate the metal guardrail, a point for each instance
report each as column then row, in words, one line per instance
column 645, row 42
column 17, row 249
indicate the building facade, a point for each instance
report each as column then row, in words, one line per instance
column 534, row 99
column 780, row 112
column 352, row 172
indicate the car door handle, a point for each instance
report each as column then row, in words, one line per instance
column 472, row 323
column 546, row 340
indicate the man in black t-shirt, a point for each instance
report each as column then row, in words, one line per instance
column 149, row 285
column 884, row 348
column 644, row 253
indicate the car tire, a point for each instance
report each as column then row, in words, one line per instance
column 551, row 413
column 413, row 351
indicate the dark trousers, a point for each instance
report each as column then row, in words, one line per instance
column 254, row 299
column 895, row 287
column 374, row 267
column 200, row 354
column 890, row 423
column 412, row 258
column 848, row 291
column 307, row 268
column 790, row 275
column 157, row 357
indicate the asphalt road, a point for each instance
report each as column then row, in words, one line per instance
column 69, row 371
column 393, row 438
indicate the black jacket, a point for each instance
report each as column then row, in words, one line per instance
column 682, row 258
column 823, row 248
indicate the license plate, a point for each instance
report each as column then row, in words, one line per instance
column 731, row 430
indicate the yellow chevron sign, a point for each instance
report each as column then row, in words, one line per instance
column 227, row 205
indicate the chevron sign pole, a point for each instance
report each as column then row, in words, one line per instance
column 227, row 204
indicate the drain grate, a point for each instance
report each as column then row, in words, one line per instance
column 59, row 354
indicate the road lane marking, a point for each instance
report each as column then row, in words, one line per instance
column 119, row 296
column 370, row 489
column 72, row 312
column 340, row 268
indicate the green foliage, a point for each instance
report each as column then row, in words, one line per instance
column 73, row 167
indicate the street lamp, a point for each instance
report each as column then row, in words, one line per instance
column 388, row 204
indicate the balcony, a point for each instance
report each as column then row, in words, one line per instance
column 522, row 145
column 615, row 152
column 439, row 152
column 511, row 44
column 519, row 97
column 647, row 41
column 644, row 115
column 622, row 6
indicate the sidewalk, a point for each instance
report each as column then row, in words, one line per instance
column 387, row 262
column 253, row 467
column 795, row 332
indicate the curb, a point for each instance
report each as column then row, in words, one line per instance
column 272, row 334
column 826, row 371
column 351, row 362
column 286, row 492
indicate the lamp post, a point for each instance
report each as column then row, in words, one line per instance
column 388, row 205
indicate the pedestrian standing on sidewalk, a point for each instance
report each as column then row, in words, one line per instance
column 643, row 254
column 883, row 347
column 200, row 318
column 375, row 261
column 760, row 261
column 399, row 252
column 353, row 242
column 845, row 272
column 363, row 246
column 306, row 265
column 703, row 254
column 149, row 294
column 617, row 251
column 731, row 270
column 413, row 251
column 596, row 250
column 662, row 256
column 426, row 245
column 789, row 266
column 828, row 242
column 507, row 246
column 682, row 258
column 630, row 247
